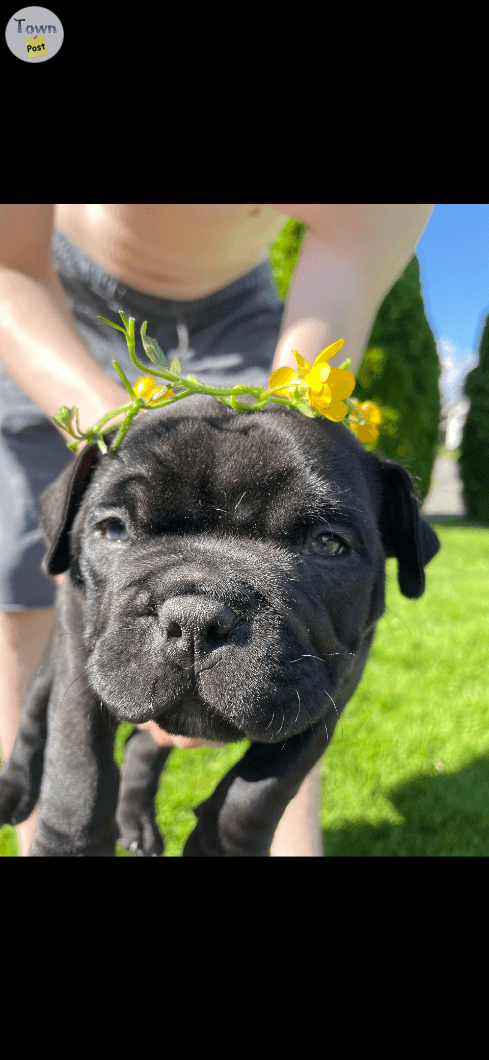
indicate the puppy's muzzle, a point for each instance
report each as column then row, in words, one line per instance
column 193, row 627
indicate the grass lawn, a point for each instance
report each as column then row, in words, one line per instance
column 407, row 773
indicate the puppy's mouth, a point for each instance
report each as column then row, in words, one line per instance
column 191, row 717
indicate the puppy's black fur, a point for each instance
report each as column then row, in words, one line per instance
column 226, row 574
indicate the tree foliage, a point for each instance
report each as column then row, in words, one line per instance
column 474, row 449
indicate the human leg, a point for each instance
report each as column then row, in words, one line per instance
column 299, row 834
column 32, row 454
column 23, row 635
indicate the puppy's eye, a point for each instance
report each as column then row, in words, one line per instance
column 329, row 544
column 116, row 530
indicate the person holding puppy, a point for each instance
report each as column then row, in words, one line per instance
column 199, row 273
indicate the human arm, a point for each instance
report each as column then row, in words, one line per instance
column 351, row 257
column 39, row 344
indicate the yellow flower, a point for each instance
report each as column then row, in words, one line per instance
column 366, row 432
column 145, row 386
column 323, row 386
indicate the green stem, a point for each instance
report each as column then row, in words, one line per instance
column 168, row 401
column 123, row 429
column 125, row 380
column 110, row 416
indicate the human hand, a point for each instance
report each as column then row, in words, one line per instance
column 165, row 739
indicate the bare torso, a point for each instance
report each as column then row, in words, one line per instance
column 172, row 250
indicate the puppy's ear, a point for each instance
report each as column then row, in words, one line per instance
column 58, row 505
column 405, row 534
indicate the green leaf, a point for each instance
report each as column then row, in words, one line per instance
column 175, row 367
column 152, row 349
column 125, row 320
column 111, row 325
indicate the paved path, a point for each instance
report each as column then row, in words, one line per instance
column 445, row 496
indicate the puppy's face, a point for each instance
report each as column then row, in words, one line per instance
column 230, row 568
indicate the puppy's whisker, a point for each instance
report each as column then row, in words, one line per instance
column 298, row 712
column 328, row 655
column 334, row 705
column 83, row 674
column 301, row 657
column 270, row 722
column 331, row 698
column 61, row 673
column 82, row 690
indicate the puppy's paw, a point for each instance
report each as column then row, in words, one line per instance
column 140, row 836
column 17, row 797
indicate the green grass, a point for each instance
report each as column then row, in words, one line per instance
column 407, row 773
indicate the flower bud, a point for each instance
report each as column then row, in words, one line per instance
column 144, row 387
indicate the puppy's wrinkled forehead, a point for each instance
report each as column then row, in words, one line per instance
column 258, row 474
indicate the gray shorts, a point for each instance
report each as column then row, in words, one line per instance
column 227, row 338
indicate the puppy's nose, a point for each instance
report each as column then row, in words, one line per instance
column 196, row 619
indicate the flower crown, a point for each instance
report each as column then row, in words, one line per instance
column 314, row 391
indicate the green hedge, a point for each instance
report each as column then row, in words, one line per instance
column 400, row 369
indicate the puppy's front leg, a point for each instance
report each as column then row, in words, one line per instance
column 241, row 817
column 143, row 763
column 80, row 782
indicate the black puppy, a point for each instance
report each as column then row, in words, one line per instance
column 226, row 574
